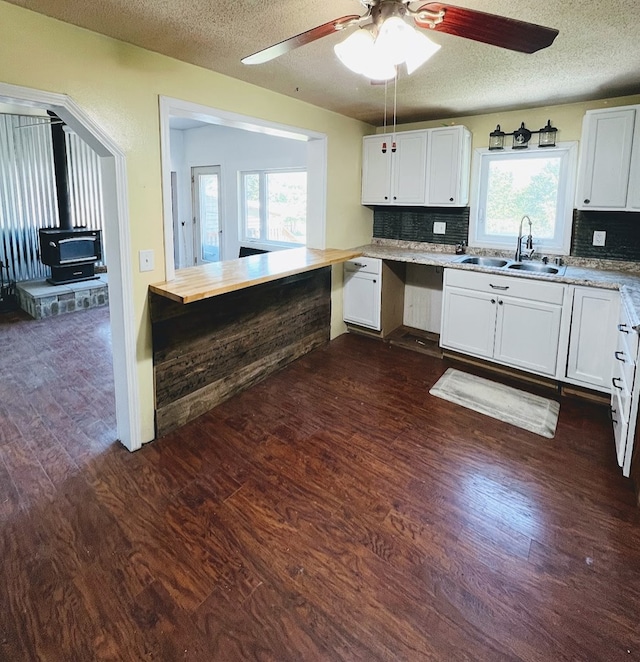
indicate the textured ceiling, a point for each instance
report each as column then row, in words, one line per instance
column 595, row 56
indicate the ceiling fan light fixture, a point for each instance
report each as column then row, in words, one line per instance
column 421, row 48
column 355, row 50
column 358, row 53
column 393, row 40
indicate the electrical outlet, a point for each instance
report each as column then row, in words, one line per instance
column 439, row 227
column 599, row 238
column 146, row 260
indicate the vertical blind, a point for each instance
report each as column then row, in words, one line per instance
column 28, row 199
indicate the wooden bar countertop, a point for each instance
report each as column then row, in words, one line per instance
column 215, row 278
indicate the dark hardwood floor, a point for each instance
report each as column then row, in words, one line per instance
column 336, row 511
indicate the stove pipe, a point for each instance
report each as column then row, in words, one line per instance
column 61, row 174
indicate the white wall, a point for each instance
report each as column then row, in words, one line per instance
column 183, row 226
column 233, row 150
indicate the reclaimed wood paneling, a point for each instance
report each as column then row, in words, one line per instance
column 207, row 351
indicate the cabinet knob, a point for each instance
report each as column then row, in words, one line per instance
column 587, row 201
column 500, row 302
column 394, row 197
column 450, row 199
column 493, row 300
column 374, row 280
column 386, row 197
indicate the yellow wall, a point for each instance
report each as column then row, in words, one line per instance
column 567, row 118
column 118, row 85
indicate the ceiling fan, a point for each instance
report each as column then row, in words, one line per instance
column 491, row 29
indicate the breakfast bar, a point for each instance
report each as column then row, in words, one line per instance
column 220, row 327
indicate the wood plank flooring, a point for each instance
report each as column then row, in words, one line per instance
column 335, row 511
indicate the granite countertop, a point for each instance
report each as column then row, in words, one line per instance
column 609, row 274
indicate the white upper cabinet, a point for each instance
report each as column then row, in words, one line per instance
column 409, row 169
column 376, row 170
column 633, row 199
column 394, row 173
column 448, row 167
column 415, row 172
column 609, row 159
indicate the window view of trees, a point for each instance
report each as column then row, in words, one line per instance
column 283, row 218
column 519, row 187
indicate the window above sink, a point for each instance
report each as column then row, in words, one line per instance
column 538, row 182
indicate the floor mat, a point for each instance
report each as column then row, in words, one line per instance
column 519, row 408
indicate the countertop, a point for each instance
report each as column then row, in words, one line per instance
column 215, row 278
column 626, row 281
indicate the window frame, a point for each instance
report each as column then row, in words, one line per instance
column 242, row 230
column 561, row 243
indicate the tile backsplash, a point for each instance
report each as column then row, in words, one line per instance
column 416, row 224
column 622, row 240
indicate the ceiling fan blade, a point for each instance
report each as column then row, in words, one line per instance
column 299, row 40
column 490, row 28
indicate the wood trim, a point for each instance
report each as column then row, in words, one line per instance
column 118, row 246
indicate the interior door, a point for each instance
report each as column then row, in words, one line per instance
column 205, row 182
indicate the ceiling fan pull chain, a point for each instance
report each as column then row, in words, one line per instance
column 384, row 143
column 395, row 107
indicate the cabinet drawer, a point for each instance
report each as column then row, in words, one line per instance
column 535, row 290
column 624, row 365
column 627, row 337
column 620, row 428
column 622, row 388
column 365, row 265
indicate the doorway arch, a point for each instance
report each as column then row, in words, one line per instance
column 117, row 247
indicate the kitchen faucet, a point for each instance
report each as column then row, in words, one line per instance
column 528, row 252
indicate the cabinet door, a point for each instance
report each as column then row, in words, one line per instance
column 409, row 169
column 607, row 138
column 376, row 170
column 361, row 303
column 592, row 338
column 620, row 428
column 447, row 167
column 468, row 321
column 633, row 198
column 527, row 334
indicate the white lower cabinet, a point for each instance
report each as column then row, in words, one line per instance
column 468, row 321
column 625, row 389
column 593, row 337
column 527, row 334
column 362, row 292
column 508, row 320
column 368, row 282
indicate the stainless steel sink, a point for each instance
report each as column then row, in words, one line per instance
column 484, row 261
column 534, row 266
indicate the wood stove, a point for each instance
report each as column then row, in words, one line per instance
column 70, row 251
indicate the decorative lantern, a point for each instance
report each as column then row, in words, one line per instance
column 496, row 139
column 547, row 135
column 521, row 137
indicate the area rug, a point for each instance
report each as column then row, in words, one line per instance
column 519, row 408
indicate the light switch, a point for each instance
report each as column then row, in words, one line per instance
column 146, row 260
column 599, row 237
column 439, row 227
